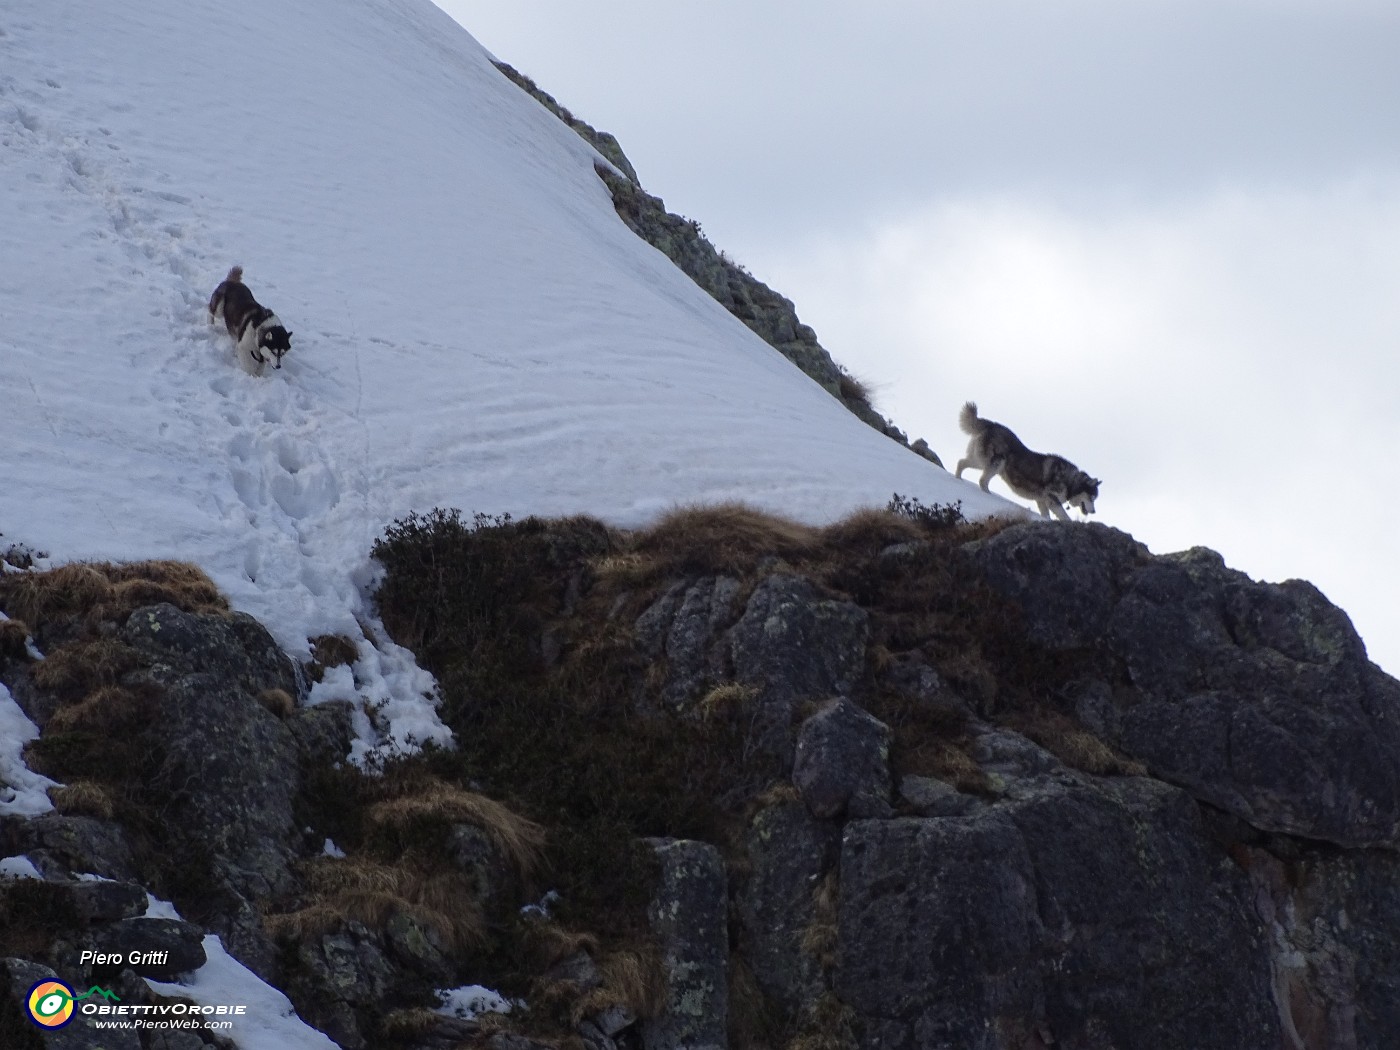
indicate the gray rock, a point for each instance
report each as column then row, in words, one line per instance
column 842, row 762
column 231, row 769
column 688, row 915
column 1331, row 917
column 336, row 977
column 614, row 1019
column 682, row 627
column 788, row 854
column 1065, row 581
column 235, row 648
column 477, row 854
column 1084, row 915
column 81, row 845
column 1259, row 699
column 324, row 733
column 108, row 901
column 82, row 1032
column 930, row 797
column 173, row 947
column 796, row 645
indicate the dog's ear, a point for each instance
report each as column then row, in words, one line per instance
column 289, row 335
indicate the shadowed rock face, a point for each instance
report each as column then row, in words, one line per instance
column 1081, row 916
column 1254, row 697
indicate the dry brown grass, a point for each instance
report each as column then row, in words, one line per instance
column 546, row 943
column 726, row 538
column 98, row 591
column 1074, row 745
column 86, row 665
column 855, row 390
column 872, row 529
column 372, row 893
column 436, row 802
column 13, row 635
column 330, row 650
column 726, row 700
column 827, row 1025
column 84, row 798
column 110, row 707
column 820, row 938
column 632, row 978
column 279, row 702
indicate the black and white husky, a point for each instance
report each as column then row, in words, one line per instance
column 257, row 333
column 1051, row 481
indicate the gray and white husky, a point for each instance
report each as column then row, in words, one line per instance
column 257, row 333
column 1050, row 480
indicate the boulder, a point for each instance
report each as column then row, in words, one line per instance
column 172, row 947
column 235, row 648
column 788, row 853
column 689, row 915
column 794, row 645
column 842, row 762
column 231, row 769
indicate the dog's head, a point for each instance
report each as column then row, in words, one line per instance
column 1083, row 491
column 276, row 341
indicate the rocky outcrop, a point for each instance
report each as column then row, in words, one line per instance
column 1001, row 788
column 1077, row 915
column 688, row 915
column 1256, row 698
column 842, row 766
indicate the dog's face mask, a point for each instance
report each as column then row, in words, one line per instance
column 276, row 341
column 1085, row 495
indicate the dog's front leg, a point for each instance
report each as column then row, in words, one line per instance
column 1059, row 510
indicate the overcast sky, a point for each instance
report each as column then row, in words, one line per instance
column 1160, row 237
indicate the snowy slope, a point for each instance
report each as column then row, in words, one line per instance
column 474, row 327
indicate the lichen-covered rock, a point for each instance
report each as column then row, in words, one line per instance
column 1259, row 699
column 788, row 853
column 106, row 901
column 60, row 844
column 335, row 977
column 682, row 627
column 688, row 915
column 842, row 763
column 1086, row 915
column 794, row 645
column 1331, row 917
column 235, row 648
column 232, row 771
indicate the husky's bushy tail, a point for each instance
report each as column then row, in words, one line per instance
column 236, row 276
column 969, row 421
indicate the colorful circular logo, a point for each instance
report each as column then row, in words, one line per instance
column 50, row 1004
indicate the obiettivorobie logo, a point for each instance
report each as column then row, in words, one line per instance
column 51, row 1003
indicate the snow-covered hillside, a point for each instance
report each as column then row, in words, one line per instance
column 474, row 327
